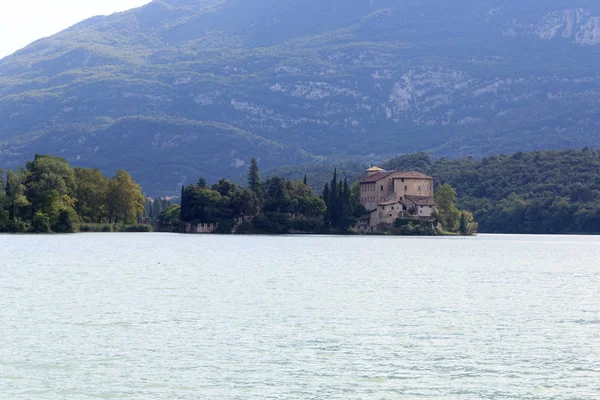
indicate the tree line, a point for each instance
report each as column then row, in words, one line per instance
column 540, row 192
column 279, row 206
column 48, row 195
column 274, row 206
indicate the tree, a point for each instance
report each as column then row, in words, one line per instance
column 91, row 190
column 40, row 223
column 331, row 200
column 170, row 216
column 276, row 195
column 464, row 228
column 201, row 182
column 254, row 178
column 448, row 214
column 125, row 199
column 183, row 210
column 340, row 214
column 3, row 204
column 202, row 205
column 46, row 174
column 467, row 224
column 15, row 195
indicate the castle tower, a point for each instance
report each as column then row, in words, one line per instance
column 374, row 170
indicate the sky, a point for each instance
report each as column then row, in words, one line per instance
column 24, row 21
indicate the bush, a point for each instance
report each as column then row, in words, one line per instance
column 272, row 223
column 95, row 228
column 40, row 223
column 225, row 227
column 245, row 228
column 17, row 226
column 134, row 228
column 307, row 225
column 408, row 227
column 67, row 221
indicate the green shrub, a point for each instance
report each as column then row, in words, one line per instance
column 225, row 227
column 134, row 228
column 272, row 223
column 95, row 228
column 307, row 224
column 18, row 226
column 40, row 223
column 68, row 221
column 245, row 228
column 410, row 227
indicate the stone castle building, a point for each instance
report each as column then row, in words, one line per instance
column 389, row 195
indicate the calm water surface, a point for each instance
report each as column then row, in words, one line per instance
column 159, row 316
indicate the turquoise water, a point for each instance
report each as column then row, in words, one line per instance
column 161, row 316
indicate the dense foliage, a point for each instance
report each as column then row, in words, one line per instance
column 154, row 207
column 343, row 205
column 48, row 195
column 275, row 206
column 191, row 87
column 537, row 192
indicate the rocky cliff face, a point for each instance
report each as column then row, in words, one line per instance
column 179, row 89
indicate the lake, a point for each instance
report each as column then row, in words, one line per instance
column 165, row 316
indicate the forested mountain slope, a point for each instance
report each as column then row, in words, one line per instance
column 181, row 88
column 542, row 192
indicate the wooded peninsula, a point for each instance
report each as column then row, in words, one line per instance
column 537, row 192
column 48, row 195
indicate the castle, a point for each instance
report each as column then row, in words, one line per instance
column 389, row 195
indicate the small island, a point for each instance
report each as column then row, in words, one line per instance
column 384, row 202
column 49, row 196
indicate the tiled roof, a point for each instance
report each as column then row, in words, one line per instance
column 378, row 176
column 412, row 174
column 396, row 175
column 421, row 200
column 388, row 203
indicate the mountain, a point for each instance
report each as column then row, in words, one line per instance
column 183, row 88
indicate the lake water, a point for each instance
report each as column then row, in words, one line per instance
column 161, row 316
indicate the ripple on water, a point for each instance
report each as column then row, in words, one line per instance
column 187, row 317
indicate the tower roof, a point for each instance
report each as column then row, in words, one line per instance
column 375, row 169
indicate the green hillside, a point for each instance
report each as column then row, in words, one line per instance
column 180, row 88
column 542, row 192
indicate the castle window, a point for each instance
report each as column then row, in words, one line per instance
column 402, row 180
column 405, row 187
column 382, row 188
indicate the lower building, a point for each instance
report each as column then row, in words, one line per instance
column 391, row 195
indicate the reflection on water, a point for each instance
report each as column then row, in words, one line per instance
column 134, row 316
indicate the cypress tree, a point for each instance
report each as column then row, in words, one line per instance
column 183, row 209
column 305, row 180
column 334, row 189
column 326, row 194
column 254, row 178
column 464, row 226
column 201, row 182
column 346, row 213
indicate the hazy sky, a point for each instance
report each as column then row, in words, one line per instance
column 24, row 21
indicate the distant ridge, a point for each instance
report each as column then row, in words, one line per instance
column 182, row 88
